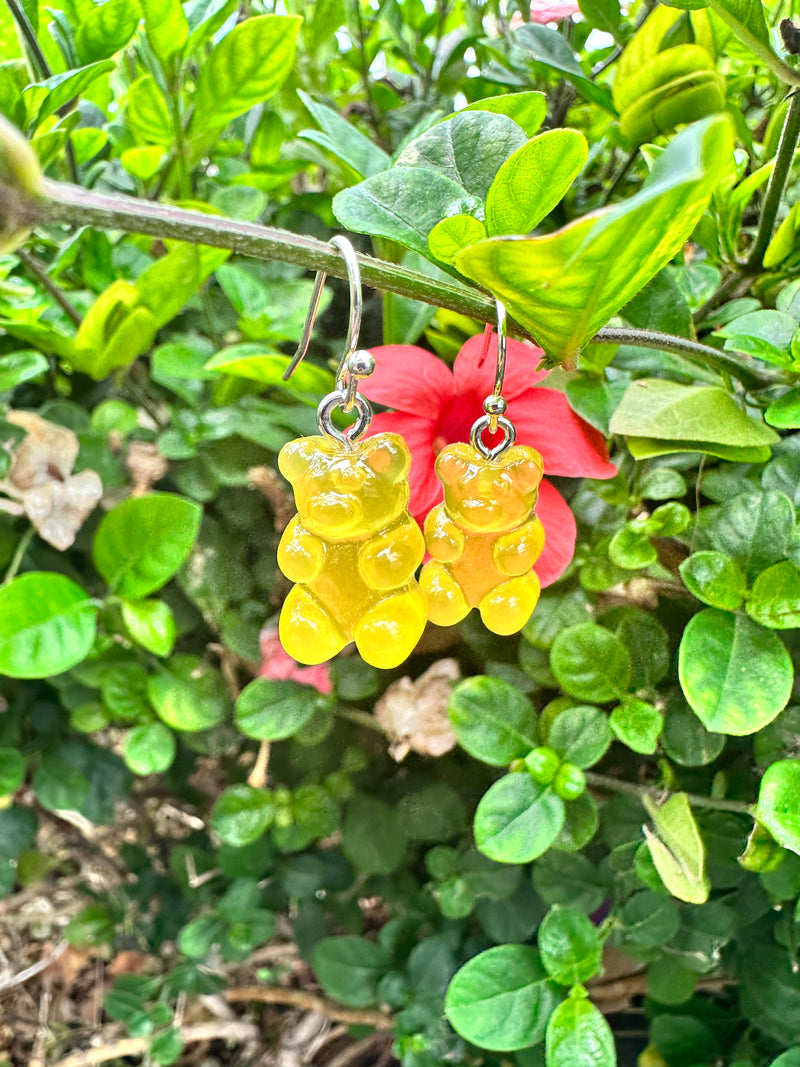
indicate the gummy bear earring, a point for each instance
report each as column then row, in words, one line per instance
column 352, row 548
column 485, row 537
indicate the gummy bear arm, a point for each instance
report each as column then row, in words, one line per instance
column 516, row 552
column 390, row 559
column 444, row 539
column 301, row 554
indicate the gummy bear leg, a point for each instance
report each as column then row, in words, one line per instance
column 447, row 604
column 506, row 608
column 307, row 631
column 389, row 631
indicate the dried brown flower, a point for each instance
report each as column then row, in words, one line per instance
column 414, row 714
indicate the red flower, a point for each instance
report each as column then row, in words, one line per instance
column 275, row 663
column 434, row 406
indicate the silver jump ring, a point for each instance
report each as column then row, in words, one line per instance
column 337, row 399
column 485, row 423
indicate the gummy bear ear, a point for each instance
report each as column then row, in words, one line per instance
column 452, row 464
column 527, row 469
column 388, row 456
column 294, row 458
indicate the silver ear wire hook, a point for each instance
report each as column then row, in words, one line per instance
column 494, row 406
column 354, row 365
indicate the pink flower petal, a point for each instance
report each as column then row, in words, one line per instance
column 409, row 379
column 568, row 445
column 426, row 490
column 277, row 664
column 474, row 370
column 560, row 533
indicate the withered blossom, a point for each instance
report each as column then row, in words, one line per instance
column 414, row 714
column 40, row 482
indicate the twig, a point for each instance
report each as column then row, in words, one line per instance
column 258, row 776
column 777, row 181
column 81, row 207
column 606, row 784
column 39, row 272
column 218, row 1030
column 19, row 554
column 34, row 969
column 310, row 1002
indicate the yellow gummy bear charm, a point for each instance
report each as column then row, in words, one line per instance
column 353, row 550
column 484, row 538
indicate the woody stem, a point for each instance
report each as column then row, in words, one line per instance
column 74, row 206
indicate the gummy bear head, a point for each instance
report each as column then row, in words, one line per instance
column 346, row 493
column 489, row 495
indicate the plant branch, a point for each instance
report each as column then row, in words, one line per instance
column 606, row 784
column 299, row 998
column 39, row 272
column 777, row 181
column 65, row 203
column 759, row 48
column 693, row 350
column 40, row 67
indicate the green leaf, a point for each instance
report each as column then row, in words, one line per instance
column 142, row 542
column 590, row 663
column 736, row 676
column 274, row 709
column 149, row 749
column 698, row 416
column 493, row 721
column 637, row 724
column 648, row 920
column 168, row 283
column 501, row 999
column 147, row 112
column 778, row 805
column 469, row 149
column 18, row 367
column 47, row 625
column 44, row 98
column 687, row 741
column 754, row 529
column 528, row 110
column 678, row 852
column 242, row 814
column 451, row 235
column 579, row 1036
column 257, row 364
column 151, row 624
column 12, row 771
column 105, row 29
column 343, row 140
column 564, row 286
column 784, row 413
column 166, row 27
column 604, row 15
column 570, row 946
column 715, row 579
column 372, row 836
column 766, row 335
column 349, row 968
column 570, row 879
column 517, row 819
column 775, row 598
column 402, row 204
column 533, row 180
column 244, row 69
column 580, row 735
column 190, row 695
column 549, row 47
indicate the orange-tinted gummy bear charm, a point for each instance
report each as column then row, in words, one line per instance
column 353, row 549
column 484, row 538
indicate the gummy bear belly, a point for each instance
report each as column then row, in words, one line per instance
column 475, row 570
column 340, row 586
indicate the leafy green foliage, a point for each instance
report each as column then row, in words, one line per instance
column 458, row 848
